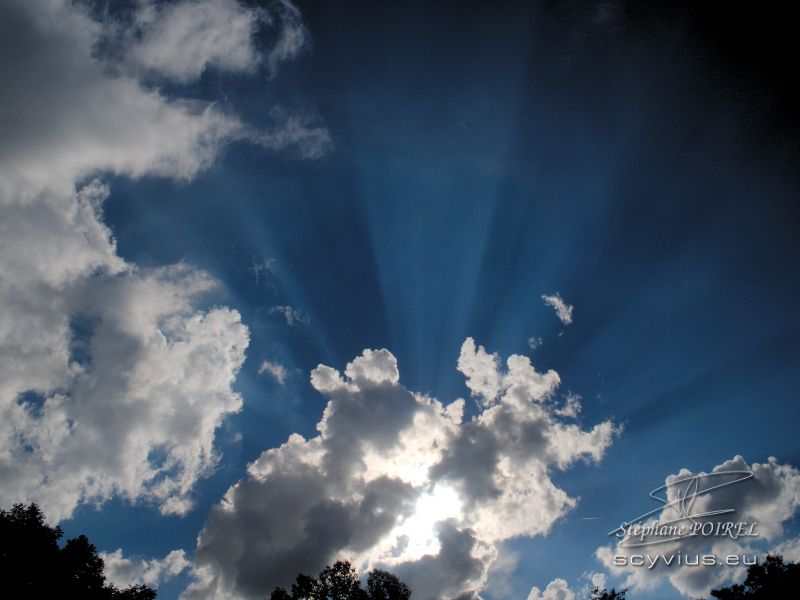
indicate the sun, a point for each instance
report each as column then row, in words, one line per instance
column 418, row 532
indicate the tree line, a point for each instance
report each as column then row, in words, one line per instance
column 32, row 565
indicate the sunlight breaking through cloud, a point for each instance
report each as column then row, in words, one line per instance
column 399, row 480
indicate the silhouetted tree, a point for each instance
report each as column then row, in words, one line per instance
column 341, row 582
column 33, row 566
column 606, row 595
column 771, row 580
column 385, row 586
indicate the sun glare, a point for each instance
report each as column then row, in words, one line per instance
column 433, row 506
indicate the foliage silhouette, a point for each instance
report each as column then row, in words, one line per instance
column 606, row 595
column 33, row 566
column 771, row 580
column 385, row 586
column 341, row 582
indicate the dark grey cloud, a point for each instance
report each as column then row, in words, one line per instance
column 398, row 481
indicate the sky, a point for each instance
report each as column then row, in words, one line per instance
column 451, row 289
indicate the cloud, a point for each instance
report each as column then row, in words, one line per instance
column 534, row 342
column 769, row 499
column 124, row 571
column 278, row 371
column 598, row 580
column 72, row 119
column 399, row 481
column 267, row 267
column 556, row 590
column 69, row 114
column 292, row 37
column 481, row 369
column 572, row 406
column 112, row 385
column 559, row 589
column 291, row 315
column 563, row 310
column 113, row 379
column 291, row 130
column 181, row 40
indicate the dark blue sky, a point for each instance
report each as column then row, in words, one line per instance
column 640, row 160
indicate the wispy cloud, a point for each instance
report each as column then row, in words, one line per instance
column 293, row 36
column 181, row 40
column 293, row 131
column 563, row 310
column 400, row 481
column 278, row 371
column 571, row 407
column 264, row 271
column 291, row 315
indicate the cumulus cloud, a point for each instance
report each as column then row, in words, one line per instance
column 481, row 369
column 563, row 310
column 277, row 370
column 399, row 481
column 534, row 342
column 559, row 589
column 124, row 571
column 112, row 379
column 769, row 498
column 556, row 590
column 112, row 384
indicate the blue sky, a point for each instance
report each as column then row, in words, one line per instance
column 207, row 205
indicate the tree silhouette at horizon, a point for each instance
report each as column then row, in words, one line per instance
column 771, row 580
column 32, row 565
column 341, row 582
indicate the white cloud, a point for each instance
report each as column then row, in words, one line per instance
column 559, row 589
column 293, row 36
column 125, row 572
column 181, row 40
column 769, row 499
column 292, row 130
column 72, row 119
column 556, row 590
column 397, row 480
column 291, row 315
column 112, row 379
column 563, row 310
column 789, row 549
column 481, row 369
column 534, row 342
column 126, row 382
column 571, row 407
column 68, row 115
column 278, row 371
column 598, row 580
